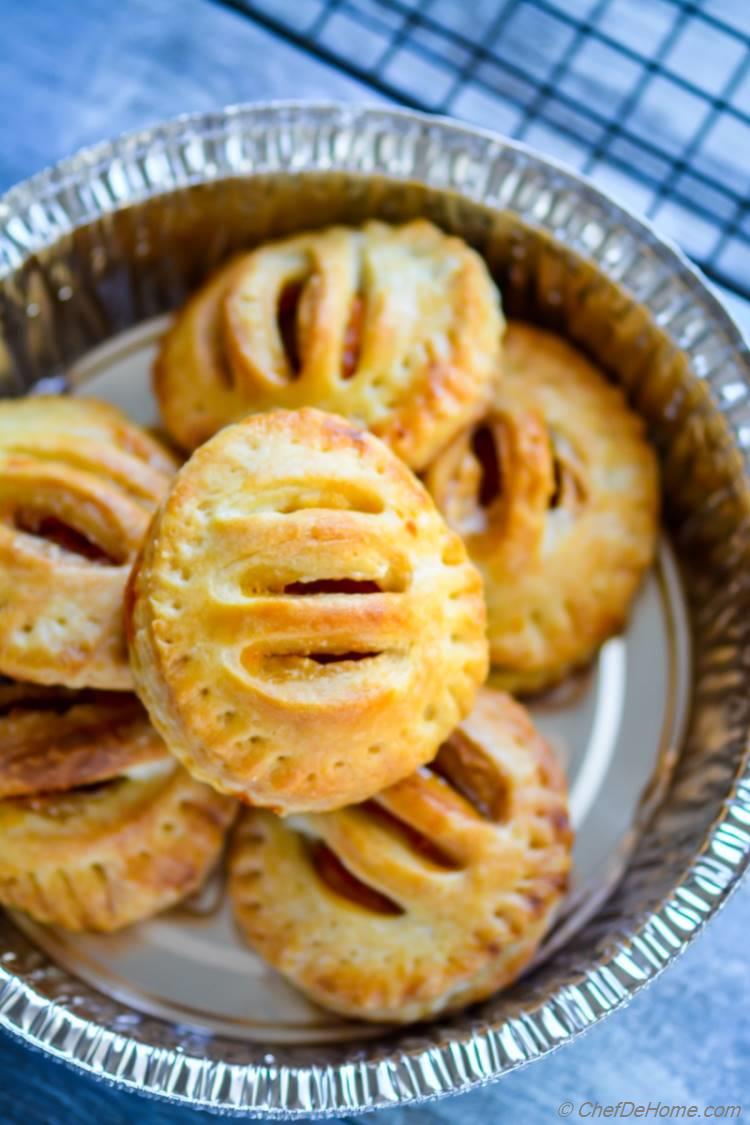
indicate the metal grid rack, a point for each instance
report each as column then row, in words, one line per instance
column 649, row 97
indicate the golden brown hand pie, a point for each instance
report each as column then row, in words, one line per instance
column 78, row 484
column 99, row 825
column 304, row 628
column 556, row 495
column 430, row 896
column 396, row 328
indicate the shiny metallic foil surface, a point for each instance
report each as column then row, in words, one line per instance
column 119, row 235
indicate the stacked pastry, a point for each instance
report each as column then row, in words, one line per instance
column 310, row 624
column 99, row 824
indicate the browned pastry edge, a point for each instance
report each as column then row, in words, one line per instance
column 54, row 740
column 101, row 858
column 430, row 896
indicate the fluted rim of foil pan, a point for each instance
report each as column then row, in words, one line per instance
column 405, row 146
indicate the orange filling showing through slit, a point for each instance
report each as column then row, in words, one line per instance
column 352, row 346
column 421, row 845
column 333, row 586
column 485, row 450
column 286, row 314
column 473, row 776
column 331, row 871
column 569, row 491
column 62, row 535
column 341, row 657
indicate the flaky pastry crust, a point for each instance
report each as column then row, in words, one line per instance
column 397, row 328
column 100, row 826
column 304, row 628
column 556, row 494
column 53, row 739
column 430, row 896
column 78, row 484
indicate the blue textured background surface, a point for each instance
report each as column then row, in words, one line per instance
column 75, row 72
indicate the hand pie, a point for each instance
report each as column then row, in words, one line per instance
column 397, row 328
column 78, row 484
column 430, row 896
column 556, row 495
column 100, row 826
column 304, row 628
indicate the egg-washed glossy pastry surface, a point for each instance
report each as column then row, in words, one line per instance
column 431, row 895
column 397, row 328
column 78, row 485
column 556, row 495
column 304, row 628
column 100, row 825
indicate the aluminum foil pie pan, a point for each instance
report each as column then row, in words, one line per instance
column 94, row 253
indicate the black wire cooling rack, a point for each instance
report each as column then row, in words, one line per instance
column 649, row 97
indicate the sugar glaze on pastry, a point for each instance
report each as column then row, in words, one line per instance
column 397, row 328
column 556, row 495
column 78, row 484
column 100, row 825
column 304, row 628
column 431, row 895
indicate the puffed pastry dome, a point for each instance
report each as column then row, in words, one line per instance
column 397, row 328
column 100, row 825
column 555, row 493
column 78, row 485
column 304, row 628
column 430, row 896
